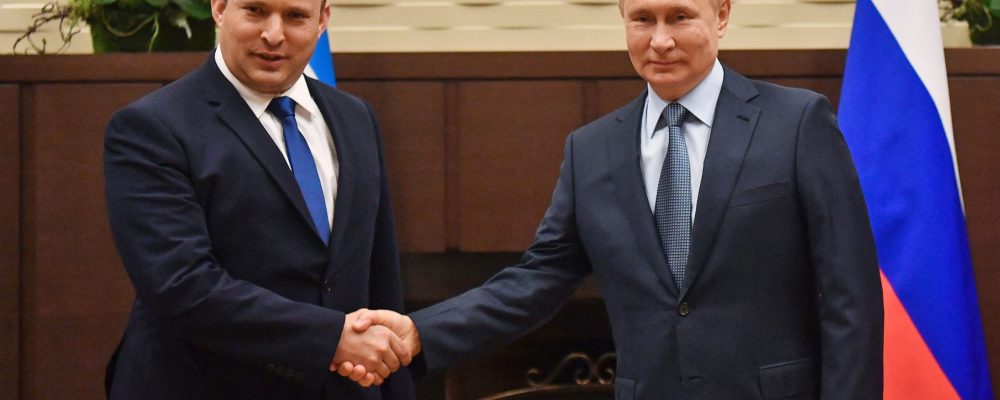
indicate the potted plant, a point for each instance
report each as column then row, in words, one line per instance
column 983, row 17
column 128, row 25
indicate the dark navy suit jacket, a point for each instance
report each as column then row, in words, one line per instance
column 783, row 299
column 237, row 297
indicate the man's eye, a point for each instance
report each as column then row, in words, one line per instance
column 253, row 10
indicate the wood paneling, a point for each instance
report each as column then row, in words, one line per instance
column 112, row 67
column 473, row 144
column 10, row 244
column 511, row 140
column 612, row 94
column 975, row 102
column 76, row 295
column 165, row 67
column 411, row 115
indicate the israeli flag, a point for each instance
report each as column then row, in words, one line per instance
column 321, row 64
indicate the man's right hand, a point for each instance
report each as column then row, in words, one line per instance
column 372, row 353
column 365, row 320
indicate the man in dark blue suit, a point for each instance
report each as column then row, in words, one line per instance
column 724, row 222
column 250, row 208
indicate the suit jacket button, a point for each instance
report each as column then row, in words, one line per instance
column 684, row 309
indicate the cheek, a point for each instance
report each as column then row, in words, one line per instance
column 636, row 42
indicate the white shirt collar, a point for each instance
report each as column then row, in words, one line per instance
column 700, row 101
column 299, row 92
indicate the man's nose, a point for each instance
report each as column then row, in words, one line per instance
column 274, row 30
column 663, row 38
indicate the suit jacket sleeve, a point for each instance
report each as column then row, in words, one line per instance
column 842, row 249
column 161, row 234
column 517, row 299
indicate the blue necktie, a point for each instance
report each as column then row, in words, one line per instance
column 303, row 165
column 673, row 195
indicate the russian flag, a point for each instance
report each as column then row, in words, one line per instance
column 896, row 118
column 321, row 64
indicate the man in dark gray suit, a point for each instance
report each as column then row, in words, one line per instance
column 726, row 226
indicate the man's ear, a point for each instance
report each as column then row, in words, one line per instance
column 324, row 18
column 218, row 6
column 725, row 6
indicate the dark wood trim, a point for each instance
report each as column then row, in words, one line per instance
column 105, row 68
column 474, row 65
column 27, row 225
column 452, row 190
column 10, row 244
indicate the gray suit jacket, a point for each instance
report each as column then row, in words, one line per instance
column 783, row 298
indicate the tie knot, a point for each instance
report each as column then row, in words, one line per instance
column 282, row 107
column 674, row 114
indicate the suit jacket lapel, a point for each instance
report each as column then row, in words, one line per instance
column 234, row 113
column 623, row 151
column 735, row 120
column 346, row 179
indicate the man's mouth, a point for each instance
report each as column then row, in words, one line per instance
column 270, row 56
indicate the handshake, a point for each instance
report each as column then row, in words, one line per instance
column 374, row 344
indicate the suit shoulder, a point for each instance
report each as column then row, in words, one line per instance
column 176, row 96
column 610, row 122
column 790, row 98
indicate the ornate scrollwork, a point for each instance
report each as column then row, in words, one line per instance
column 583, row 369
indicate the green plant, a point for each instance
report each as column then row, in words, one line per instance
column 119, row 18
column 983, row 17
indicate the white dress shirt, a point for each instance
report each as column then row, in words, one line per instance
column 310, row 122
column 697, row 128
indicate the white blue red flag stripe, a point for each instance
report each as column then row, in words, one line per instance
column 321, row 63
column 895, row 115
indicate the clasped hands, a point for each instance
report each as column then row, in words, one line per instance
column 374, row 344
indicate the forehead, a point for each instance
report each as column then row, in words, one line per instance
column 625, row 4
column 304, row 4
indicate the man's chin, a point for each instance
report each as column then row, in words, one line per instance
column 269, row 83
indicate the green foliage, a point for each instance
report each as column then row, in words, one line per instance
column 132, row 21
column 197, row 9
column 983, row 17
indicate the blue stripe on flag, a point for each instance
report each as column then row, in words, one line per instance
column 322, row 62
column 905, row 165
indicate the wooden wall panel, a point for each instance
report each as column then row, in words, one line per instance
column 613, row 94
column 76, row 294
column 974, row 105
column 504, row 117
column 411, row 115
column 510, row 149
column 10, row 244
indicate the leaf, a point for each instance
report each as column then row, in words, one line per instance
column 104, row 2
column 181, row 21
column 157, row 3
column 197, row 9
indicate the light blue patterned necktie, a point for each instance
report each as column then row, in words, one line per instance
column 303, row 165
column 673, row 195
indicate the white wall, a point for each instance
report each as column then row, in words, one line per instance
column 529, row 25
